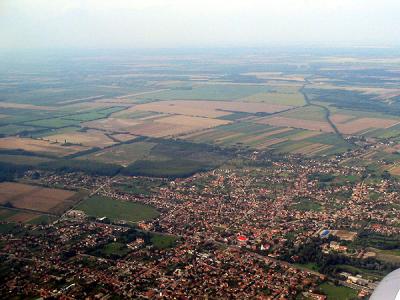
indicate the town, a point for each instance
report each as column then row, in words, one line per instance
column 242, row 230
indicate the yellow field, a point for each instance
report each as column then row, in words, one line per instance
column 178, row 107
column 41, row 146
column 209, row 108
column 90, row 138
column 123, row 137
column 161, row 130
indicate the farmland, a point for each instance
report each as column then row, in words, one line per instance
column 35, row 198
column 196, row 168
column 39, row 146
column 273, row 107
column 124, row 154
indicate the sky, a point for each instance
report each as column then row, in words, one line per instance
column 48, row 24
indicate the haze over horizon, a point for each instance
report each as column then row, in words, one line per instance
column 47, row 24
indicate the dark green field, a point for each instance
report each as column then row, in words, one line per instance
column 98, row 206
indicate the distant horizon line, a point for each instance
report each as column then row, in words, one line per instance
column 237, row 47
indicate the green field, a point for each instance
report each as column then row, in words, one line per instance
column 23, row 160
column 52, row 123
column 124, row 154
column 306, row 204
column 172, row 168
column 292, row 99
column 15, row 129
column 115, row 250
column 162, row 241
column 98, row 206
column 337, row 292
column 209, row 92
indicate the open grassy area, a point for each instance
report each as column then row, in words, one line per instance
column 98, row 206
column 162, row 241
column 306, row 204
column 337, row 292
column 114, row 249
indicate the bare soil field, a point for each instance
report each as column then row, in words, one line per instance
column 22, row 217
column 344, row 234
column 341, row 118
column 33, row 197
column 296, row 123
column 90, row 138
column 123, row 137
column 210, row 108
column 363, row 124
column 39, row 146
column 395, row 170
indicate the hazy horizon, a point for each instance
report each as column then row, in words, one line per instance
column 45, row 24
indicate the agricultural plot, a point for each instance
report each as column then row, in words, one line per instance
column 52, row 123
column 123, row 137
column 210, row 109
column 251, row 135
column 123, row 155
column 209, row 92
column 15, row 129
column 169, row 126
column 89, row 138
column 15, row 216
column 133, row 113
column 296, row 123
column 23, row 160
column 41, row 147
column 362, row 125
column 290, row 99
column 311, row 113
column 25, row 106
column 98, row 206
column 314, row 143
column 112, row 125
column 176, row 158
column 36, row 198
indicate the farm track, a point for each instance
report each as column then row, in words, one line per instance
column 30, row 211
